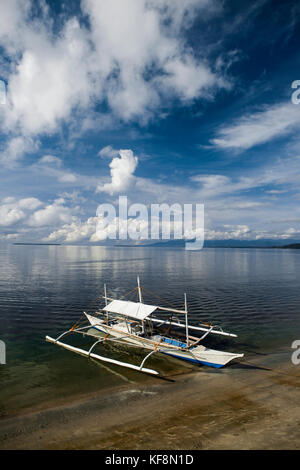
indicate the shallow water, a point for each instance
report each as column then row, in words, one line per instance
column 44, row 289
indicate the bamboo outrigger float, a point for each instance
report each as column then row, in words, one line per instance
column 132, row 324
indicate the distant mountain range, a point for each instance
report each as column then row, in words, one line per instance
column 39, row 244
column 294, row 246
column 230, row 243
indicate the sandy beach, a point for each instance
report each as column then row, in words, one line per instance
column 243, row 407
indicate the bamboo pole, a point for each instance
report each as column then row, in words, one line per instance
column 139, row 289
column 186, row 321
column 101, row 358
column 105, row 296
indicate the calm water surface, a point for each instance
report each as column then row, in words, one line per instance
column 44, row 289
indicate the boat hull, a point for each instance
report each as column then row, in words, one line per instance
column 208, row 357
column 197, row 355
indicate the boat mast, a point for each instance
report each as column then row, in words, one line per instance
column 140, row 300
column 186, row 321
column 139, row 290
column 105, row 300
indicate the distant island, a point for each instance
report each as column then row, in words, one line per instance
column 181, row 244
column 230, row 243
column 39, row 244
column 294, row 246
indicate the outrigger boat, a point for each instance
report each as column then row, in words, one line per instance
column 133, row 324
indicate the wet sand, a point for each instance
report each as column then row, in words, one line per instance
column 240, row 407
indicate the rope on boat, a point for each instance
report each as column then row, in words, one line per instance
column 161, row 298
column 79, row 322
column 155, row 344
column 131, row 294
column 173, row 306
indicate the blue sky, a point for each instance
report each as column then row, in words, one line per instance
column 196, row 93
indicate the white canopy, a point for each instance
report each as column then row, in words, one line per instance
column 130, row 309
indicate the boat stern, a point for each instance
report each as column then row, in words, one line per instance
column 212, row 357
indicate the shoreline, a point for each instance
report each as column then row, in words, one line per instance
column 239, row 407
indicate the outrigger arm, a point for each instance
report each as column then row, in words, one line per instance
column 69, row 331
column 101, row 358
column 203, row 336
column 146, row 357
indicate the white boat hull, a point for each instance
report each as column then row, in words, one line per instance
column 198, row 355
column 205, row 356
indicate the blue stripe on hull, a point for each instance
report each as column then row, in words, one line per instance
column 211, row 364
column 98, row 329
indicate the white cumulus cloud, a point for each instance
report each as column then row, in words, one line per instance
column 121, row 170
column 52, row 215
column 14, row 210
column 132, row 56
column 75, row 232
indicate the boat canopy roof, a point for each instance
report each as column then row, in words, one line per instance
column 135, row 310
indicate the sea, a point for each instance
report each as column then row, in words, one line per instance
column 44, row 290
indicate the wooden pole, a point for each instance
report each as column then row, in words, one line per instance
column 182, row 325
column 105, row 300
column 186, row 321
column 101, row 358
column 139, row 289
column 140, row 300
